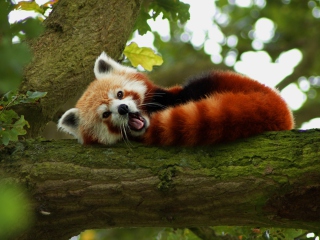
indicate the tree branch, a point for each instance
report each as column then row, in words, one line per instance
column 269, row 180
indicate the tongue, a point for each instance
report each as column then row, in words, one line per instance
column 136, row 123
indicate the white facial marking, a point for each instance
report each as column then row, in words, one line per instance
column 101, row 109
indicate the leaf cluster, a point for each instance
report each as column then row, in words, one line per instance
column 34, row 6
column 11, row 124
column 14, row 56
column 173, row 10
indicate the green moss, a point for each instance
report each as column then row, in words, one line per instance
column 166, row 179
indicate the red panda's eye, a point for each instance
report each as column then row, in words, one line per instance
column 120, row 95
column 106, row 114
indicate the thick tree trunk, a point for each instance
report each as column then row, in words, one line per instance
column 76, row 32
column 269, row 180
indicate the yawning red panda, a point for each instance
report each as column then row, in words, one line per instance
column 122, row 103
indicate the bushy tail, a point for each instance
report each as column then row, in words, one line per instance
column 220, row 117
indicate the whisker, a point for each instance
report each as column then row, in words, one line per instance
column 153, row 104
column 155, row 94
column 125, row 128
column 152, row 97
column 125, row 136
column 152, row 94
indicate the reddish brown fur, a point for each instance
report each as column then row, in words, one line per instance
column 135, row 96
column 240, row 107
column 175, row 89
column 219, row 107
column 88, row 138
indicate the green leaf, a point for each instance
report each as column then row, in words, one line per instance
column 10, row 131
column 13, row 136
column 173, row 10
column 30, row 27
column 6, row 116
column 4, row 23
column 4, row 137
column 21, row 123
column 50, row 3
column 143, row 56
column 7, row 97
column 13, row 59
column 141, row 24
column 35, row 95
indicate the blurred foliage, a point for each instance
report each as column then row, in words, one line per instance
column 248, row 233
column 15, row 214
column 13, row 58
column 223, row 232
column 296, row 25
column 138, row 233
column 34, row 6
column 15, row 211
column 11, row 124
column 173, row 10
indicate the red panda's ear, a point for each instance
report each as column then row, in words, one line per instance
column 69, row 123
column 104, row 66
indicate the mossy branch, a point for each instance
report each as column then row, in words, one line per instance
column 269, row 180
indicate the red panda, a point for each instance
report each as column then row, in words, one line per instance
column 219, row 106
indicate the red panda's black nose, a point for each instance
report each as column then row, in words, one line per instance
column 123, row 109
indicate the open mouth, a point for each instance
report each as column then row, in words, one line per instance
column 136, row 122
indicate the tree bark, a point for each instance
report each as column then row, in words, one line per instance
column 268, row 180
column 76, row 32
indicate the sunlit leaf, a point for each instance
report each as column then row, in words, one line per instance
column 143, row 56
column 50, row 3
column 29, row 6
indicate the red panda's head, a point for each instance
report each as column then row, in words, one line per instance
column 111, row 107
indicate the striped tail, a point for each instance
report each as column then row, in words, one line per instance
column 221, row 117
